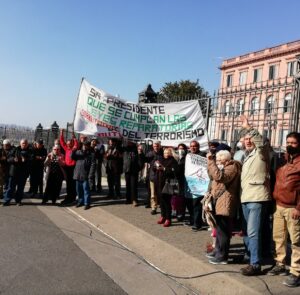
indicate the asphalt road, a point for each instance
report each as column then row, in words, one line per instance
column 36, row 257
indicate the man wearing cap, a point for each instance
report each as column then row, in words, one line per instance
column 7, row 157
column 37, row 171
column 255, row 194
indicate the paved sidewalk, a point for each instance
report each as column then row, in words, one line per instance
column 191, row 243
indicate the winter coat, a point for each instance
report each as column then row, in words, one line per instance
column 151, row 158
column 25, row 160
column 133, row 162
column 170, row 172
column 287, row 186
column 225, row 186
column 60, row 160
column 181, row 177
column 255, row 177
column 68, row 151
column 9, row 164
column 114, row 163
column 83, row 164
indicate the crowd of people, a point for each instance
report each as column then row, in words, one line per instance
column 248, row 183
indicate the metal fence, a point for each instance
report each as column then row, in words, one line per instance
column 15, row 133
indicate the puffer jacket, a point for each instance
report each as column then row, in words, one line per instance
column 225, row 185
column 255, row 177
column 287, row 186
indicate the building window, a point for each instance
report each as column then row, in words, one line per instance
column 226, row 108
column 287, row 104
column 269, row 105
column 273, row 71
column 257, row 74
column 243, row 78
column 292, row 68
column 229, row 80
column 224, row 135
column 282, row 137
column 254, row 106
column 240, row 107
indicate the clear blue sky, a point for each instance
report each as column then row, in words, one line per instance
column 46, row 46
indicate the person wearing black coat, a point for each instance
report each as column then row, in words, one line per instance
column 37, row 171
column 114, row 168
column 83, row 160
column 133, row 163
column 23, row 160
column 8, row 164
column 167, row 170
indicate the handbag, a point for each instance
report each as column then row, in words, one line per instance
column 171, row 187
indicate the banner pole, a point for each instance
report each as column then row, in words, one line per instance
column 82, row 79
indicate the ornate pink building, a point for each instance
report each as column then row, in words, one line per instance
column 260, row 85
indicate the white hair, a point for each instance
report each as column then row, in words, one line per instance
column 223, row 155
column 6, row 141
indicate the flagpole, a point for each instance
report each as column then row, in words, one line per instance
column 82, row 79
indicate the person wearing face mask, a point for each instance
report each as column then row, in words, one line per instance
column 225, row 175
column 287, row 215
column 239, row 154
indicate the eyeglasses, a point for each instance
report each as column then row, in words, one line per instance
column 193, row 146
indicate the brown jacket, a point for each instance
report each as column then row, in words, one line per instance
column 287, row 186
column 225, row 186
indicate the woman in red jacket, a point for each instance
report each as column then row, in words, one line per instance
column 68, row 147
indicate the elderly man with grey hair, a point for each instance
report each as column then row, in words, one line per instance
column 255, row 194
column 23, row 161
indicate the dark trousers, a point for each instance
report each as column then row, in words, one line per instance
column 36, row 179
column 53, row 187
column 131, row 187
column 20, row 183
column 114, row 184
column 92, row 177
column 71, row 183
column 194, row 207
column 165, row 206
column 223, row 236
column 99, row 175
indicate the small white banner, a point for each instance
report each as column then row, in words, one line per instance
column 196, row 175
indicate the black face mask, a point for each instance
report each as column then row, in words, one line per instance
column 292, row 150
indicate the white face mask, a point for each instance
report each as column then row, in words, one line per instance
column 181, row 153
column 220, row 166
column 239, row 145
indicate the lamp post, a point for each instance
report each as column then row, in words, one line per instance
column 38, row 132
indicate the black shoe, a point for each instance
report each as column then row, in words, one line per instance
column 147, row 206
column 278, row 270
column 78, row 205
column 86, row 207
column 196, row 228
column 153, row 212
column 44, row 202
column 19, row 204
column 188, row 223
column 6, row 204
column 215, row 260
column 292, row 281
column 251, row 270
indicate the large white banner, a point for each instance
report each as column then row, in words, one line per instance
column 196, row 175
column 101, row 114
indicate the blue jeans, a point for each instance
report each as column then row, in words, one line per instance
column 83, row 192
column 254, row 215
column 9, row 186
